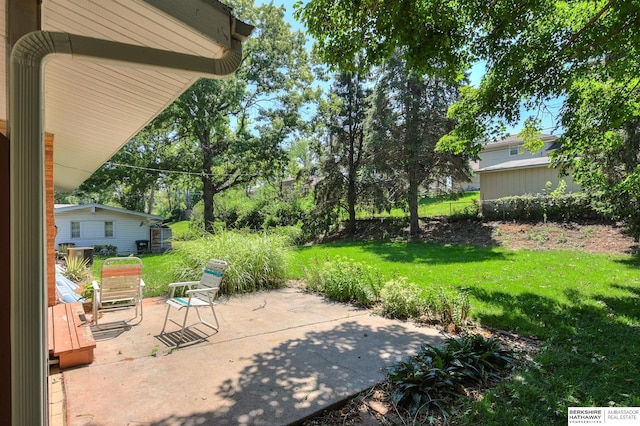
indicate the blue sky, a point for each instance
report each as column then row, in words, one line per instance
column 476, row 73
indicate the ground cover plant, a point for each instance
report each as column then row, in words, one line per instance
column 582, row 307
column 431, row 381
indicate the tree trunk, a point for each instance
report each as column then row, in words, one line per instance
column 208, row 190
column 351, row 187
column 207, row 198
column 412, row 195
column 351, row 202
column 152, row 196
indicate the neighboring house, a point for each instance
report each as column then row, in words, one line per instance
column 507, row 169
column 452, row 185
column 87, row 225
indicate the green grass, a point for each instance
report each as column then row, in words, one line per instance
column 585, row 307
column 432, row 206
column 157, row 272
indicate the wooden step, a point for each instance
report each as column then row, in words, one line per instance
column 70, row 337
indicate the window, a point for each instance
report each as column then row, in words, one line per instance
column 75, row 229
column 108, row 229
column 514, row 150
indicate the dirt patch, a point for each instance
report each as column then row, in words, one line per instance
column 591, row 237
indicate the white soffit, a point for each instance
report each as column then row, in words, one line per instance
column 93, row 109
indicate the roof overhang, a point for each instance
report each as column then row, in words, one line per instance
column 97, row 72
column 517, row 165
column 93, row 207
column 94, row 106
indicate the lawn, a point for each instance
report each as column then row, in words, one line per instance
column 584, row 307
column 156, row 272
column 432, row 206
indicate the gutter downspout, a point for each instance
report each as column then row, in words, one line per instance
column 29, row 366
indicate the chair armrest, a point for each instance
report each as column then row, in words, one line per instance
column 183, row 284
column 173, row 286
column 202, row 290
column 141, row 282
column 95, row 285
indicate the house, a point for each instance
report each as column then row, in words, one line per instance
column 507, row 169
column 111, row 67
column 89, row 225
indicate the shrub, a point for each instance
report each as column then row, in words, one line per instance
column 292, row 234
column 402, row 299
column 256, row 261
column 77, row 269
column 345, row 281
column 440, row 373
column 559, row 207
column 449, row 309
column 472, row 211
column 105, row 250
column 406, row 300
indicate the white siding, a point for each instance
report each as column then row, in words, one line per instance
column 492, row 156
column 126, row 229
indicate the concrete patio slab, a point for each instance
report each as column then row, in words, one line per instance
column 278, row 357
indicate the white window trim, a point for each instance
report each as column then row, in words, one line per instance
column 518, row 150
column 113, row 229
column 79, row 229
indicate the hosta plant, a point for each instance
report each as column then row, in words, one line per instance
column 439, row 373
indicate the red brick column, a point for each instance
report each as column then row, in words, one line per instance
column 51, row 225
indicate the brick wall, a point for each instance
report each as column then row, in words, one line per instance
column 50, row 222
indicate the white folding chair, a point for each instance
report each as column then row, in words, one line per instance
column 197, row 294
column 120, row 287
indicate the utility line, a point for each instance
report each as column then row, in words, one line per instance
column 130, row 166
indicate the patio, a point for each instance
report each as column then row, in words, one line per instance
column 278, row 358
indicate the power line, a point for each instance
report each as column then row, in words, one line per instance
column 181, row 172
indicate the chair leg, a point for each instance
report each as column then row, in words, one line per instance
column 166, row 317
column 184, row 323
column 208, row 324
column 96, row 298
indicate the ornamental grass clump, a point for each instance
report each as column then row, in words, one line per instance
column 257, row 261
column 345, row 280
column 77, row 269
column 437, row 376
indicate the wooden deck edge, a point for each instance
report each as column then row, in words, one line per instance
column 70, row 336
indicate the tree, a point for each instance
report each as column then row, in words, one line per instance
column 535, row 53
column 233, row 129
column 131, row 177
column 342, row 151
column 408, row 117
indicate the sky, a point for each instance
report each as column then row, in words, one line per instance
column 477, row 72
